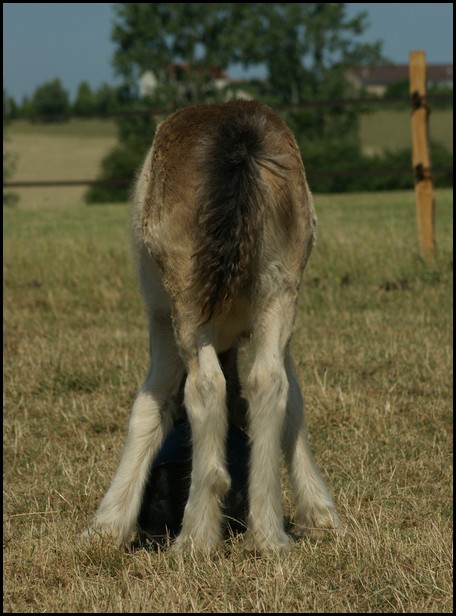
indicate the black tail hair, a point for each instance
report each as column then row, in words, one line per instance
column 229, row 206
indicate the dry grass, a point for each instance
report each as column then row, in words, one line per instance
column 373, row 346
column 69, row 151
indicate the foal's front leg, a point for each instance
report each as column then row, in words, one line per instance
column 150, row 422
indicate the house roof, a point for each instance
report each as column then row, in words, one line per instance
column 386, row 74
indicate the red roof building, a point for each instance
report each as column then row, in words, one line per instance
column 376, row 79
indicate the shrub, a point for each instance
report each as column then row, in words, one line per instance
column 124, row 161
column 51, row 101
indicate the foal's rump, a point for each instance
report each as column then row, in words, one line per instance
column 227, row 205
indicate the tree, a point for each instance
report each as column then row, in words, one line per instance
column 182, row 44
column 305, row 47
column 10, row 107
column 50, row 101
column 106, row 99
column 26, row 107
column 85, row 99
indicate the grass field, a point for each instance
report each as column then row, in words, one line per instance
column 70, row 151
column 373, row 347
column 389, row 129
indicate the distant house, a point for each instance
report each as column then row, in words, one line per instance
column 181, row 73
column 376, row 79
column 148, row 83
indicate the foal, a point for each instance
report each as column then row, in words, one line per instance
column 223, row 226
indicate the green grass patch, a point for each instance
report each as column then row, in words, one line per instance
column 75, row 127
column 389, row 129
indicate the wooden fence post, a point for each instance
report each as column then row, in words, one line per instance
column 424, row 190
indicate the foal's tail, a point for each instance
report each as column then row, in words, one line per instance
column 232, row 202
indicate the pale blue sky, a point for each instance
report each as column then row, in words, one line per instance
column 72, row 40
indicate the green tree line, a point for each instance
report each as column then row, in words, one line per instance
column 51, row 102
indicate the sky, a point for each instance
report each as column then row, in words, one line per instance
column 71, row 41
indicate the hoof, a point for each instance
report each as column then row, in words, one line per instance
column 190, row 544
column 318, row 523
column 253, row 543
column 99, row 532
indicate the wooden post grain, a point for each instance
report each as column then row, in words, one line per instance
column 424, row 190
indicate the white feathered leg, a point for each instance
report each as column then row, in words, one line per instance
column 149, row 424
column 205, row 401
column 267, row 391
column 315, row 508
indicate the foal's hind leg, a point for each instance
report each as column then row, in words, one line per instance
column 205, row 401
column 267, row 391
column 315, row 508
column 150, row 421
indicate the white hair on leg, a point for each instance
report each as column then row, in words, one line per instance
column 205, row 401
column 314, row 506
column 150, row 422
column 267, row 392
